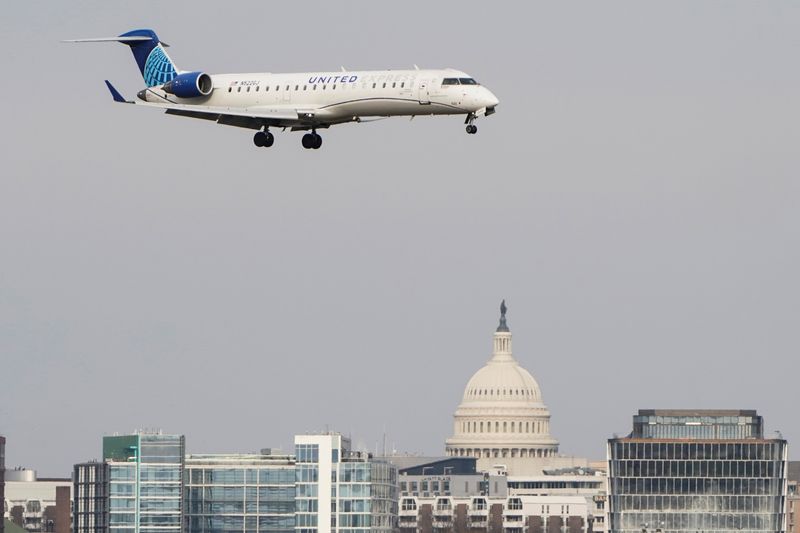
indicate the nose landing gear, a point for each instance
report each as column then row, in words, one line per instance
column 472, row 129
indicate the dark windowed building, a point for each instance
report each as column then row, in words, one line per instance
column 697, row 470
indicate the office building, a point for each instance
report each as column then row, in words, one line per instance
column 793, row 498
column 137, row 488
column 697, row 470
column 240, row 492
column 339, row 490
column 2, row 481
column 31, row 502
column 450, row 495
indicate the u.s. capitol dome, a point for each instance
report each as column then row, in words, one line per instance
column 502, row 419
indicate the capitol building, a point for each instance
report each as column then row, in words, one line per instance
column 502, row 420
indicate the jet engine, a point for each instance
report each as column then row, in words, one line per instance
column 190, row 85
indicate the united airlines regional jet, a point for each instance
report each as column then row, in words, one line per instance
column 306, row 101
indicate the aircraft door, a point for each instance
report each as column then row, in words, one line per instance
column 286, row 97
column 423, row 92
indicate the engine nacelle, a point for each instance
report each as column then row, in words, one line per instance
column 190, row 85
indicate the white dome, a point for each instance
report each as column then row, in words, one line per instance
column 502, row 381
column 502, row 414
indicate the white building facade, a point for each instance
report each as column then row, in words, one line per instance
column 338, row 490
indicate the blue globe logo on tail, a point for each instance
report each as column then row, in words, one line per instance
column 154, row 63
column 158, row 68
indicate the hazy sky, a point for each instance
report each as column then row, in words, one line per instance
column 635, row 199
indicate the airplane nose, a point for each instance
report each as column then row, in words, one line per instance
column 491, row 101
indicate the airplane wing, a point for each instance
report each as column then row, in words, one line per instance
column 255, row 117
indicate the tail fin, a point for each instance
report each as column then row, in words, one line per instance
column 154, row 63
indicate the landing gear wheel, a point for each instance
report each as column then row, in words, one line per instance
column 317, row 141
column 472, row 129
column 269, row 139
column 308, row 141
column 260, row 139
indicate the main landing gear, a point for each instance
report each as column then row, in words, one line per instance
column 312, row 140
column 264, row 138
column 472, row 129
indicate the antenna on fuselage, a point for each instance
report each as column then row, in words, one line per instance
column 416, row 67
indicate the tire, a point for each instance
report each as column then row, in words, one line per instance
column 259, row 138
column 317, row 142
column 308, row 141
column 269, row 140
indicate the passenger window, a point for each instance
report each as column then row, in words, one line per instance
column 394, row 84
column 324, row 87
column 239, row 90
column 257, row 88
column 296, row 87
column 334, row 87
column 277, row 87
column 267, row 89
column 287, row 87
column 384, row 85
column 230, row 89
column 402, row 85
column 314, row 87
column 248, row 88
column 373, row 85
column 305, row 87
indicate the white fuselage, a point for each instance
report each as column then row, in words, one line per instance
column 334, row 97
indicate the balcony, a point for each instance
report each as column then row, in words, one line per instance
column 441, row 521
column 478, row 521
column 513, row 523
column 408, row 522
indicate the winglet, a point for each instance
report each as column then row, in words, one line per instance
column 115, row 93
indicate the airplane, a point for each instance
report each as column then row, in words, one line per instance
column 306, row 101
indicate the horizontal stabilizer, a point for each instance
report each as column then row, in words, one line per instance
column 110, row 39
column 115, row 93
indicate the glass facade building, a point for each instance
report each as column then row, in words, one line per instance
column 251, row 493
column 138, row 488
column 341, row 491
column 694, row 471
column 147, row 484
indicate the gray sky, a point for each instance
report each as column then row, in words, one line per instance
column 635, row 199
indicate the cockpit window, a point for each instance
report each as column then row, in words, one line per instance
column 468, row 81
column 450, row 81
